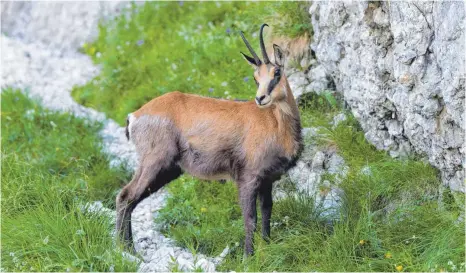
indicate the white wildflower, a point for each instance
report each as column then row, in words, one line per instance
column 30, row 114
column 224, row 84
column 174, row 66
column 98, row 54
column 80, row 232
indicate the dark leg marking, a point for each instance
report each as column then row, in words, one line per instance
column 265, row 197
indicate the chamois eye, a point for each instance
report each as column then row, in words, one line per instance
column 277, row 72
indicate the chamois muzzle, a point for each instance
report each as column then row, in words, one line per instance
column 259, row 99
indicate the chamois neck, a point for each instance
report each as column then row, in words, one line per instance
column 289, row 123
column 287, row 109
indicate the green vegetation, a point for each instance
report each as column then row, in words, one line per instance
column 391, row 219
column 289, row 18
column 191, row 217
column 193, row 47
column 51, row 167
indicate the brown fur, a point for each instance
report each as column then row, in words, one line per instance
column 215, row 139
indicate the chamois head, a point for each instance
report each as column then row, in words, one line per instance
column 268, row 76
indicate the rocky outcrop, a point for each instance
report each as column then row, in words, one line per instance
column 400, row 68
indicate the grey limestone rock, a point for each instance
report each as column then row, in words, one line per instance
column 400, row 66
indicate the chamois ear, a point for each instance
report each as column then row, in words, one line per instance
column 279, row 56
column 250, row 60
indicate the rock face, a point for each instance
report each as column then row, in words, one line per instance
column 400, row 68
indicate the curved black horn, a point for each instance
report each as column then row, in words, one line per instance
column 256, row 58
column 264, row 52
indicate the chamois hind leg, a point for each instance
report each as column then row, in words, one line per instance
column 248, row 195
column 124, row 208
column 265, row 197
column 153, row 174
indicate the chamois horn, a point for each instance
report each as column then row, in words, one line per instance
column 261, row 39
column 256, row 58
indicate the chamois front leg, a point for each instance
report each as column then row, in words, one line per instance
column 265, row 197
column 248, row 196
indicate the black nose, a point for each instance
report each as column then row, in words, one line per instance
column 259, row 99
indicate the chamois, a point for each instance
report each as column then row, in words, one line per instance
column 252, row 143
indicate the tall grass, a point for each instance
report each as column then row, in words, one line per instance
column 52, row 165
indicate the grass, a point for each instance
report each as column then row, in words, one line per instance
column 193, row 47
column 51, row 167
column 391, row 219
column 292, row 19
column 190, row 215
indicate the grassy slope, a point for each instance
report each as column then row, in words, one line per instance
column 193, row 47
column 51, row 166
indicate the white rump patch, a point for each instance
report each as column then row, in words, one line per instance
column 131, row 119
